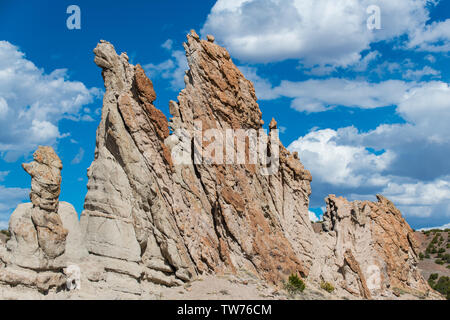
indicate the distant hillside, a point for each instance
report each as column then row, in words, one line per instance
column 435, row 256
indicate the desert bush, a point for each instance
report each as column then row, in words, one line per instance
column 439, row 261
column 443, row 286
column 327, row 286
column 427, row 256
column 446, row 257
column 294, row 284
column 441, row 250
column 433, row 276
column 421, row 256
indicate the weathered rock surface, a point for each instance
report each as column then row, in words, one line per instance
column 179, row 220
column 159, row 212
column 368, row 249
column 45, row 172
column 45, row 234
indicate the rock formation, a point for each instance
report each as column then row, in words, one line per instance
column 207, row 193
column 368, row 249
column 177, row 220
column 45, row 234
column 45, row 172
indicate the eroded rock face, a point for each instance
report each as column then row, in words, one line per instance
column 160, row 211
column 45, row 234
column 368, row 249
column 45, row 172
column 177, row 220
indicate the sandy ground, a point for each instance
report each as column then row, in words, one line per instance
column 230, row 287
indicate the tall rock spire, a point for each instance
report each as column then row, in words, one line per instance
column 45, row 172
column 174, row 219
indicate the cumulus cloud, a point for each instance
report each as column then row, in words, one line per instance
column 313, row 217
column 172, row 69
column 32, row 103
column 434, row 37
column 419, row 74
column 405, row 162
column 322, row 95
column 340, row 165
column 321, row 34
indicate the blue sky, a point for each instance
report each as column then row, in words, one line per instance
column 368, row 110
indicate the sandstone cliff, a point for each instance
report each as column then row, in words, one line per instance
column 175, row 221
column 160, row 212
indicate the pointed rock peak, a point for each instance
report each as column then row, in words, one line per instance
column 194, row 34
column 145, row 86
column 47, row 156
column 105, row 55
column 273, row 124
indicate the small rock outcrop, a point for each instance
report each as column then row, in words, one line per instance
column 368, row 250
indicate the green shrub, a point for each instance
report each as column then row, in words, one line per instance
column 439, row 261
column 433, row 276
column 421, row 256
column 294, row 284
column 427, row 256
column 443, row 286
column 446, row 257
column 327, row 286
column 441, row 250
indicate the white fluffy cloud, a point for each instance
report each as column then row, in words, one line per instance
column 410, row 167
column 313, row 217
column 340, row 165
column 319, row 33
column 433, row 38
column 32, row 102
column 172, row 69
column 321, row 95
